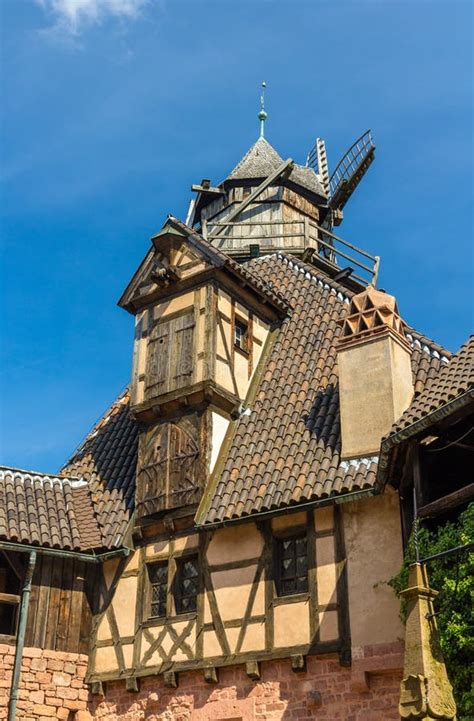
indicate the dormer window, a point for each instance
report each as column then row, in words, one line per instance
column 241, row 336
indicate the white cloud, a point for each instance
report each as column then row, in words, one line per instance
column 73, row 15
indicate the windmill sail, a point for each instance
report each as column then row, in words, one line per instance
column 317, row 159
column 350, row 170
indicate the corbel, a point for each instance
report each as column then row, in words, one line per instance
column 298, row 663
column 97, row 688
column 211, row 675
column 252, row 669
column 132, row 684
column 171, row 679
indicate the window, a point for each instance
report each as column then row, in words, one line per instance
column 241, row 335
column 186, row 586
column 9, row 598
column 292, row 565
column 158, row 577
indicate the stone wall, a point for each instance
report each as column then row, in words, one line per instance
column 51, row 685
column 325, row 691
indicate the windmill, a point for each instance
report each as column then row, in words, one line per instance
column 347, row 175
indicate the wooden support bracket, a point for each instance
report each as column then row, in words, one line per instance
column 298, row 663
column 252, row 669
column 211, row 675
column 97, row 688
column 171, row 679
column 132, row 683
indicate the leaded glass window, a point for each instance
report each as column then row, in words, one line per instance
column 186, row 587
column 292, row 565
column 158, row 576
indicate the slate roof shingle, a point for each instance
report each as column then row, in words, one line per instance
column 45, row 510
column 261, row 160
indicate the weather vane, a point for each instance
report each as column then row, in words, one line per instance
column 262, row 116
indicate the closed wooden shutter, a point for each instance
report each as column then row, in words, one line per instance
column 158, row 359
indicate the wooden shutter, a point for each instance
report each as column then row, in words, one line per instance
column 183, row 349
column 158, row 359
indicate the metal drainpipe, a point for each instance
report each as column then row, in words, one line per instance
column 20, row 640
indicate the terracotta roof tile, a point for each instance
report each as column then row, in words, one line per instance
column 107, row 459
column 45, row 510
column 451, row 381
column 287, row 450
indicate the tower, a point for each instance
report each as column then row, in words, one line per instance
column 202, row 322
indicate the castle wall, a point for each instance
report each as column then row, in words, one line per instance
column 323, row 691
column 51, row 686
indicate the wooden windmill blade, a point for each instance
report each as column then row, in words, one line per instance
column 350, row 170
column 317, row 159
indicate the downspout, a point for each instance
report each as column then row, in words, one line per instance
column 20, row 641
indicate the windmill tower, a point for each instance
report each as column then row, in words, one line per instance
column 268, row 204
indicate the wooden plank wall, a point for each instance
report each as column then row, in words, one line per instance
column 60, row 613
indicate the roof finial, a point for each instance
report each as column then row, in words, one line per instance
column 262, row 116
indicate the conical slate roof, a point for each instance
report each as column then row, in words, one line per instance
column 262, row 159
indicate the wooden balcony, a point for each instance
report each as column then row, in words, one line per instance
column 302, row 238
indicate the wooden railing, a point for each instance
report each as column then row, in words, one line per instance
column 298, row 237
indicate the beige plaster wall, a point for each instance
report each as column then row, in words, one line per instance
column 219, row 429
column 375, row 387
column 374, row 554
column 237, row 543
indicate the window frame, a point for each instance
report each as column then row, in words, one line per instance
column 176, row 590
column 164, row 563
column 240, row 322
column 291, row 534
column 11, row 600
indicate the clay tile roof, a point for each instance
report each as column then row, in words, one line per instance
column 261, row 160
column 44, row 510
column 107, row 459
column 287, row 451
column 453, row 380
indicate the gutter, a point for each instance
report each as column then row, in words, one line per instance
column 257, row 516
column 59, row 553
column 20, row 641
column 417, row 427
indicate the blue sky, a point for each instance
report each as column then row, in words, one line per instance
column 112, row 108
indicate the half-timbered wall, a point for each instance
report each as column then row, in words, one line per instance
column 239, row 615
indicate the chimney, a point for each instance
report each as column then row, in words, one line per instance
column 375, row 379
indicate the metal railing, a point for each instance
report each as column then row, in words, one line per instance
column 299, row 237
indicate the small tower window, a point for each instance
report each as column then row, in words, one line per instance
column 292, row 565
column 158, row 577
column 241, row 335
column 186, row 588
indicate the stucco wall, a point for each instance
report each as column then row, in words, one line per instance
column 374, row 554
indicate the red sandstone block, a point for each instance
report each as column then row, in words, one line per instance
column 53, row 700
column 54, row 665
column 61, row 679
column 37, row 696
column 75, row 705
column 43, row 677
column 70, row 667
column 38, row 664
column 70, row 693
column 43, row 710
column 32, row 652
